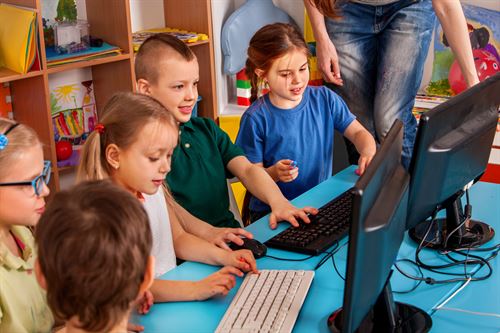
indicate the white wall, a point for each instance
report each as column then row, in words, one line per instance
column 146, row 14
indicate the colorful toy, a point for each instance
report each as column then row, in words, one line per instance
column 486, row 66
column 243, row 88
column 64, row 149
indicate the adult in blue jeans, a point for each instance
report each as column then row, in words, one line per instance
column 373, row 53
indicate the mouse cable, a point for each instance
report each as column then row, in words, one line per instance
column 288, row 259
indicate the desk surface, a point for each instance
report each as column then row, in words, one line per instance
column 326, row 292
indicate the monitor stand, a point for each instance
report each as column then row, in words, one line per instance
column 387, row 316
column 470, row 234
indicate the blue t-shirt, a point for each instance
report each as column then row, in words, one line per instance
column 304, row 134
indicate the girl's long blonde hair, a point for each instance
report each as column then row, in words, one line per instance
column 121, row 121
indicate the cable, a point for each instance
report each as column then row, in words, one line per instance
column 327, row 256
column 288, row 259
column 453, row 295
column 495, row 315
column 333, row 261
column 420, row 278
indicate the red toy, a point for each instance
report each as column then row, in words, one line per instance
column 486, row 65
column 64, row 149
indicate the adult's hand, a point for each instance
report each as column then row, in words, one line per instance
column 328, row 62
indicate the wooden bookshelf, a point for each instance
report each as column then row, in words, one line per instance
column 109, row 20
column 196, row 15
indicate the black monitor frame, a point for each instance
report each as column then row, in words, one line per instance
column 376, row 233
column 452, row 149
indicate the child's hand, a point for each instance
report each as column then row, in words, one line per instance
column 145, row 302
column 285, row 211
column 241, row 259
column 221, row 236
column 218, row 283
column 286, row 170
column 363, row 162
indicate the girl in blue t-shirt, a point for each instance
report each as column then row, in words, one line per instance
column 289, row 131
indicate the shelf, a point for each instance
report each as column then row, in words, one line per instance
column 201, row 42
column 88, row 63
column 7, row 75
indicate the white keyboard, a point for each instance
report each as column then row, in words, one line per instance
column 267, row 302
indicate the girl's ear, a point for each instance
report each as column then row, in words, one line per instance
column 39, row 275
column 113, row 156
column 143, row 87
column 259, row 73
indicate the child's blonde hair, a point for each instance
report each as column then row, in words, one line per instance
column 20, row 138
column 121, row 121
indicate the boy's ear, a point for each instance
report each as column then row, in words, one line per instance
column 39, row 275
column 113, row 156
column 143, row 87
column 149, row 275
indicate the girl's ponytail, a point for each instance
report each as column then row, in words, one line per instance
column 121, row 119
column 92, row 164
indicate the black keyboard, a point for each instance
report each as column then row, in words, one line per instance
column 328, row 226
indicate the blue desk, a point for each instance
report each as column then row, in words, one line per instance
column 326, row 292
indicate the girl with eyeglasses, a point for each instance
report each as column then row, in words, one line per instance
column 23, row 187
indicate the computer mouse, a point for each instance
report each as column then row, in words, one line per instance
column 258, row 249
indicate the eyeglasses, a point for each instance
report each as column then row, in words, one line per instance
column 38, row 182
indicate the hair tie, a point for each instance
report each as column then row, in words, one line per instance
column 4, row 141
column 99, row 128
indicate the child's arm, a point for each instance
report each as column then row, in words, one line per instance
column 217, row 236
column 218, row 283
column 190, row 247
column 364, row 142
column 260, row 184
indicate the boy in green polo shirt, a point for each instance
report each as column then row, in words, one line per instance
column 168, row 70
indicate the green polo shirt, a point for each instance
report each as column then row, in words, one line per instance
column 199, row 171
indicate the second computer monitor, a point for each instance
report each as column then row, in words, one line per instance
column 452, row 148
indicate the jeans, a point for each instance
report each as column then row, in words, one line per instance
column 382, row 50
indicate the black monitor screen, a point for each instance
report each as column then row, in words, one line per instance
column 452, row 148
column 377, row 230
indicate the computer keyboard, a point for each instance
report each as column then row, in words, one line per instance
column 267, row 302
column 328, row 226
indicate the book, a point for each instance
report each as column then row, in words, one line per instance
column 18, row 38
column 54, row 58
column 139, row 37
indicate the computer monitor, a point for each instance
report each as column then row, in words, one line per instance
column 377, row 229
column 452, row 148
